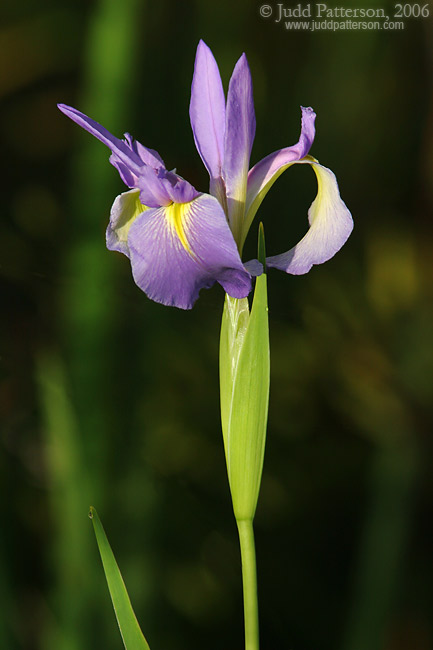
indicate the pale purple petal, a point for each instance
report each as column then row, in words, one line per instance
column 153, row 191
column 239, row 137
column 125, row 173
column 254, row 267
column 148, row 156
column 178, row 250
column 119, row 148
column 330, row 225
column 125, row 209
column 262, row 176
column 179, row 190
column 207, row 110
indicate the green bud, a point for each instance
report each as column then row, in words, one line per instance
column 244, row 380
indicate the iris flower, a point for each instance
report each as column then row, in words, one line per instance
column 180, row 240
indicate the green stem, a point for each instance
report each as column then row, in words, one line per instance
column 249, row 581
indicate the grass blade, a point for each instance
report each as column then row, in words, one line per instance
column 133, row 638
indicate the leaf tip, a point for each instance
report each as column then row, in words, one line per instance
column 261, row 249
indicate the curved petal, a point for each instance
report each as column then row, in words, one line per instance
column 330, row 225
column 264, row 174
column 177, row 250
column 124, row 211
column 239, row 138
column 254, row 267
column 125, row 173
column 207, row 111
column 153, row 191
column 178, row 189
column 120, row 149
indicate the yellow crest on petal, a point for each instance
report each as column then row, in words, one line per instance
column 178, row 216
column 128, row 208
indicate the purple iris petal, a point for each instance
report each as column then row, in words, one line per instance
column 153, row 191
column 266, row 170
column 121, row 149
column 240, row 123
column 125, row 174
column 180, row 191
column 207, row 111
column 178, row 250
column 137, row 165
column 148, row 156
column 254, row 267
column 239, row 137
column 330, row 225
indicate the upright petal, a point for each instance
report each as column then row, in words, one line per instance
column 264, row 174
column 207, row 111
column 177, row 250
column 239, row 137
column 148, row 156
column 330, row 225
column 122, row 151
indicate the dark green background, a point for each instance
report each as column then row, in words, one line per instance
column 109, row 399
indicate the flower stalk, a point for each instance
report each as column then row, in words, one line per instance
column 249, row 583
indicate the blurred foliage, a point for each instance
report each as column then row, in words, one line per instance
column 109, row 399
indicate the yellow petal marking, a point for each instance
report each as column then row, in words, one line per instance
column 178, row 215
column 131, row 209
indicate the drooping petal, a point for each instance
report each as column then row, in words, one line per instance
column 125, row 209
column 264, row 174
column 119, row 148
column 177, row 250
column 239, row 137
column 207, row 111
column 178, row 189
column 330, row 225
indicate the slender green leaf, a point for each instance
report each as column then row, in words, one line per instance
column 244, row 379
column 261, row 248
column 132, row 635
